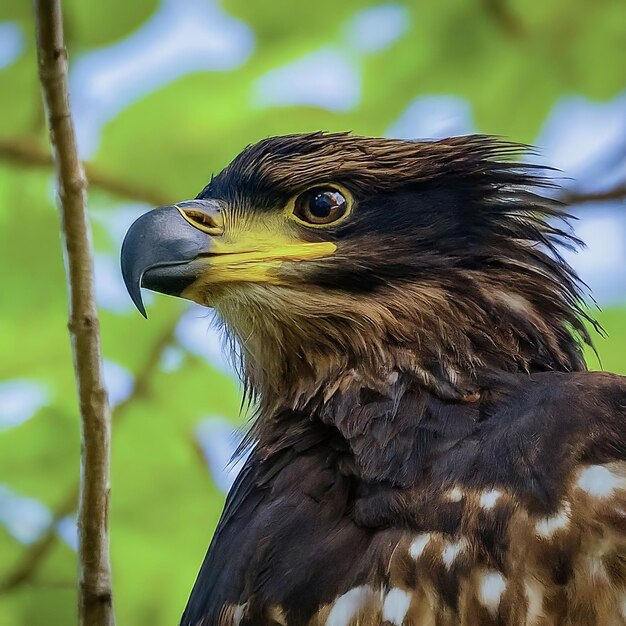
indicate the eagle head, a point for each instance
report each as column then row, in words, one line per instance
column 330, row 253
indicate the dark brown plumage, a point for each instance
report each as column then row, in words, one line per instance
column 426, row 447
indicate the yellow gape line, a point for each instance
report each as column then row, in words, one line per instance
column 255, row 256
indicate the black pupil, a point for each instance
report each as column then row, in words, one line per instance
column 323, row 203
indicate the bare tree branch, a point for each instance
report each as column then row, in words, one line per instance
column 34, row 555
column 26, row 152
column 504, row 17
column 95, row 596
column 617, row 193
column 36, row 552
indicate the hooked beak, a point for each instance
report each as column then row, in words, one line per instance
column 160, row 247
column 181, row 250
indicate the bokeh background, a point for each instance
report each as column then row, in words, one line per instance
column 166, row 92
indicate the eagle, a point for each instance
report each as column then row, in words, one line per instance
column 427, row 446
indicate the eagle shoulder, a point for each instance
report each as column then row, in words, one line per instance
column 518, row 516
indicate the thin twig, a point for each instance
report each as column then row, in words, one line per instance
column 610, row 195
column 95, row 596
column 504, row 16
column 37, row 551
column 34, row 555
column 26, row 152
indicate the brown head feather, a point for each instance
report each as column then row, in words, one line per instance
column 451, row 266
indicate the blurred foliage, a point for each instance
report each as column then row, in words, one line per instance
column 511, row 59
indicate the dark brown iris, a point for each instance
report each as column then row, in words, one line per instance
column 320, row 205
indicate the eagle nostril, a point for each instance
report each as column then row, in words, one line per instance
column 211, row 224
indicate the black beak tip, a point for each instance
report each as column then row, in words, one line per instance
column 138, row 302
column 132, row 280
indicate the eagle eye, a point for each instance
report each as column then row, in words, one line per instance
column 321, row 206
